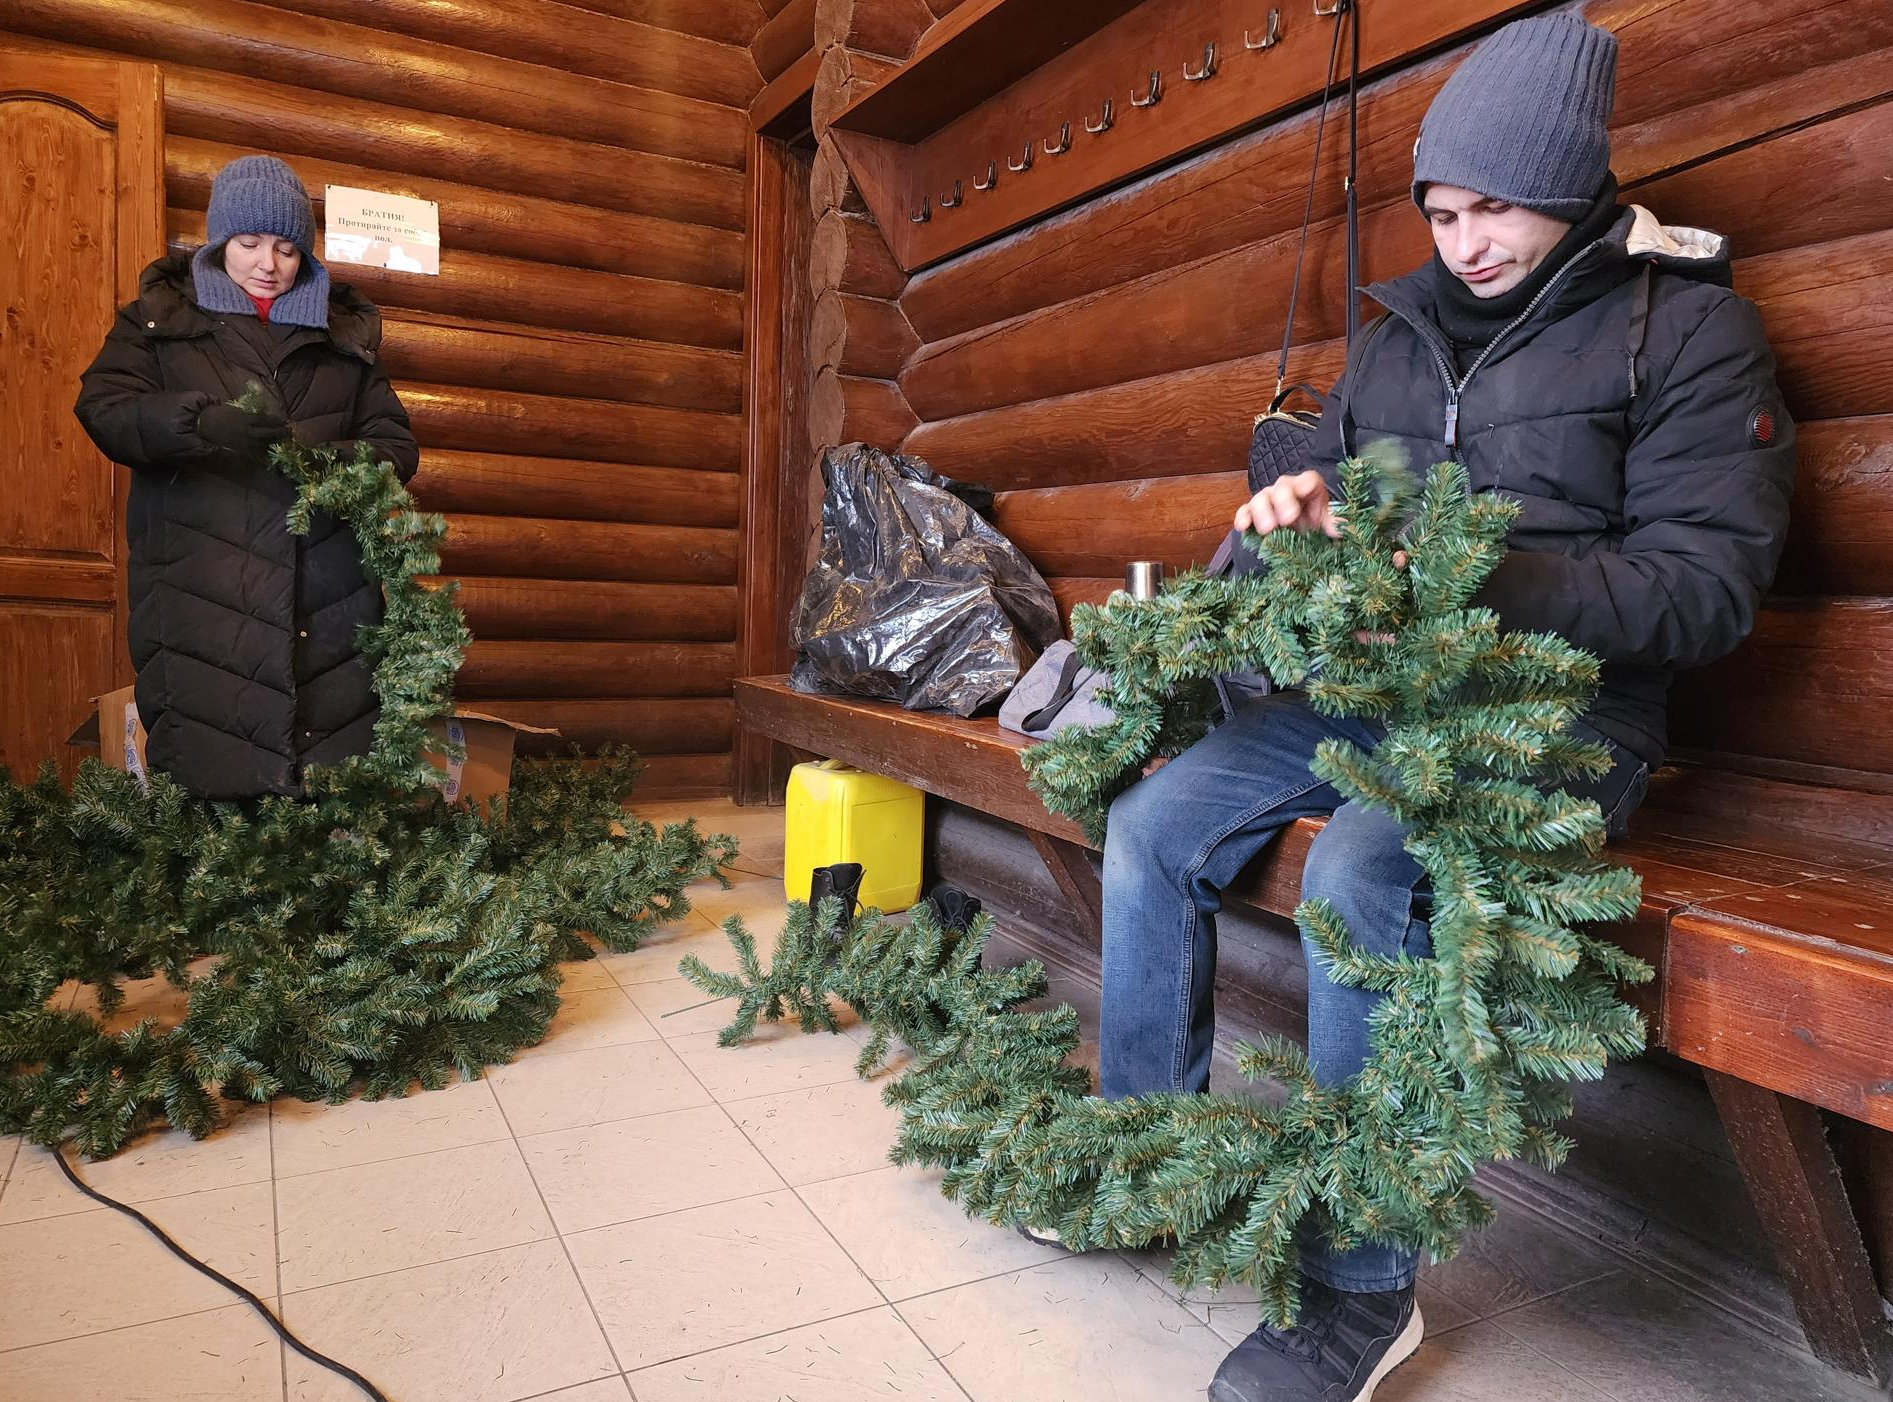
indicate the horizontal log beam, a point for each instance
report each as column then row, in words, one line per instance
column 417, row 347
column 498, row 421
column 487, row 484
column 683, row 776
column 1840, row 527
column 849, row 254
column 601, row 609
column 531, row 547
column 573, row 669
column 889, row 28
column 687, row 726
column 1097, row 528
column 263, row 116
column 566, row 39
column 830, row 186
column 491, row 221
column 844, row 76
column 787, row 35
column 860, row 336
column 322, row 56
column 538, row 294
column 843, row 409
column 725, row 21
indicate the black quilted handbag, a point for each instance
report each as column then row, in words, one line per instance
column 1279, row 445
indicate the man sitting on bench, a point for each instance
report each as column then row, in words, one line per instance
column 1585, row 361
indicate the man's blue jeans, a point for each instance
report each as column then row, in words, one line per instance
column 1180, row 836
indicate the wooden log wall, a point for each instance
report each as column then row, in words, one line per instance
column 575, row 372
column 1101, row 368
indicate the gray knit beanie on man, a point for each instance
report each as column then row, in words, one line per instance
column 261, row 195
column 1524, row 118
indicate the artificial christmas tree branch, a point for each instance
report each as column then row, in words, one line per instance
column 1471, row 1048
column 368, row 936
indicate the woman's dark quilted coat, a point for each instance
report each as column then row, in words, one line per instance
column 244, row 636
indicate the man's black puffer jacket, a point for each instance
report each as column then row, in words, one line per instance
column 1651, row 518
column 244, row 636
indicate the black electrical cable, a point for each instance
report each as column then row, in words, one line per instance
column 250, row 1297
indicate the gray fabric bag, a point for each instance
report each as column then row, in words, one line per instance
column 1057, row 692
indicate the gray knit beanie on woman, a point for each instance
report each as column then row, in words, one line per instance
column 261, row 195
column 1523, row 119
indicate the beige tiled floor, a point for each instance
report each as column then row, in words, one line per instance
column 629, row 1213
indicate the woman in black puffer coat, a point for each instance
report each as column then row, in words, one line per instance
column 244, row 636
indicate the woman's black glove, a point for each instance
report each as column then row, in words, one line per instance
column 240, row 431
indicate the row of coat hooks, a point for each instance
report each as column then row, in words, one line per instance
column 1201, row 72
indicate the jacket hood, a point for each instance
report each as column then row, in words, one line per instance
column 167, row 304
column 1637, row 238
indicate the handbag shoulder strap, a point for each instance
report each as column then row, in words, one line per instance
column 1344, row 13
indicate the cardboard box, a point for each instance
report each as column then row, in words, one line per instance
column 484, row 772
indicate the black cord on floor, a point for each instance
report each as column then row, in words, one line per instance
column 250, row 1297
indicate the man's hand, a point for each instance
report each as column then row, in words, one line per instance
column 1298, row 503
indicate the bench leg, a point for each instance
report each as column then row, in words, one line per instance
column 1782, row 1150
column 1077, row 882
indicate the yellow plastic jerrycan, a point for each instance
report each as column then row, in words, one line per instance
column 838, row 814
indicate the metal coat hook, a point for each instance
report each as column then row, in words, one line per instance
column 1104, row 123
column 926, row 210
column 1064, row 142
column 992, row 177
column 958, row 199
column 1025, row 164
column 1154, row 96
column 1271, row 38
column 1208, row 69
column 1333, row 9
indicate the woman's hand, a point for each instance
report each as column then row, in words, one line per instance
column 239, row 431
column 1298, row 503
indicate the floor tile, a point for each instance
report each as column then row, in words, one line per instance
column 615, row 1172
column 823, row 1132
column 757, row 830
column 158, row 1164
column 1517, row 1259
column 229, row 1354
column 759, row 900
column 9, row 1150
column 313, row 1138
column 869, row 1357
column 495, row 1328
column 594, row 1017
column 1481, row 1363
column 1639, row 1340
column 677, row 1008
column 1072, row 1331
column 730, row 1272
column 94, row 1271
column 567, row 1091
column 604, row 1390
column 909, row 1239
column 779, row 1057
column 353, row 1222
column 576, row 974
column 662, row 950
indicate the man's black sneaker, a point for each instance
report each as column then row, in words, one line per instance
column 1340, row 1350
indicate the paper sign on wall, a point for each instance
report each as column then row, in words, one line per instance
column 381, row 230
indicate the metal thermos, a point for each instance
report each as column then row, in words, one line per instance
column 1143, row 579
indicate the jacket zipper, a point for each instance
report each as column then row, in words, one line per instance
column 1457, row 388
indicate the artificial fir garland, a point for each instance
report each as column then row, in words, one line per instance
column 367, row 935
column 1471, row 1049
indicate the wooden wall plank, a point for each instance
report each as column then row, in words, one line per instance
column 492, row 484
column 238, row 37
column 788, row 34
column 539, row 548
column 486, row 420
column 600, row 609
column 492, row 221
column 1840, row 528
column 863, row 336
column 568, row 669
column 725, row 21
column 1094, row 529
column 567, row 39
column 694, row 725
column 850, row 255
column 593, row 367
column 260, row 115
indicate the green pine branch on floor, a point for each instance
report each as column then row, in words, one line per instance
column 368, row 936
column 1472, row 1048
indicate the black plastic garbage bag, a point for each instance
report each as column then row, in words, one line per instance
column 917, row 598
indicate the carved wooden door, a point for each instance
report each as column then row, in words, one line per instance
column 81, row 213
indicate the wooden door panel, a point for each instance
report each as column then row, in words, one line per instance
column 52, row 657
column 57, row 221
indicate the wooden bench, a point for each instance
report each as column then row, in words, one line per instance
column 1767, row 912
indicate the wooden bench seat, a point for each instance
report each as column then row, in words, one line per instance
column 1769, row 923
